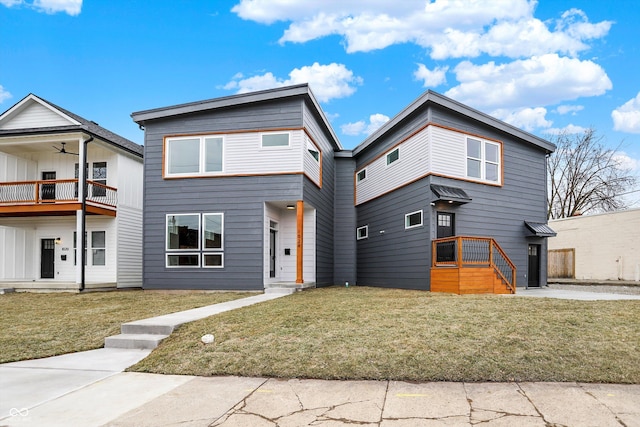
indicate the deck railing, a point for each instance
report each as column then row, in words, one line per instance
column 464, row 251
column 55, row 191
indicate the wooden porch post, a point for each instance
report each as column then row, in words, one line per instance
column 299, row 234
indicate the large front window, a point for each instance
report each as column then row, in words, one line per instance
column 195, row 240
column 483, row 160
column 194, row 155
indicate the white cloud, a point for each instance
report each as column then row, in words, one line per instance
column 70, row 7
column 362, row 128
column 4, row 94
column 354, row 128
column 327, row 82
column 626, row 118
column 525, row 118
column 625, row 162
column 448, row 28
column 431, row 78
column 573, row 109
column 569, row 129
column 540, row 80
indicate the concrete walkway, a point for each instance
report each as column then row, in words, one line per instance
column 581, row 295
column 91, row 389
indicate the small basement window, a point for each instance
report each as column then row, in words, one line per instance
column 413, row 219
column 362, row 232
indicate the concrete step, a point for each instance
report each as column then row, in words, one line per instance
column 140, row 327
column 134, row 341
column 285, row 291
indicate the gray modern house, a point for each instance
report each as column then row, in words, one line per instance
column 253, row 191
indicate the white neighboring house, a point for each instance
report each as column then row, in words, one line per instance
column 41, row 210
column 597, row 247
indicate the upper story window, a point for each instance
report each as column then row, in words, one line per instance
column 362, row 175
column 393, row 156
column 483, row 160
column 275, row 140
column 194, row 155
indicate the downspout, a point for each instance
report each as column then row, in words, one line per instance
column 83, row 222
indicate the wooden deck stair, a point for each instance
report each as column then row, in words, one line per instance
column 471, row 265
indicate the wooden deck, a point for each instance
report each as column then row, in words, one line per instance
column 471, row 265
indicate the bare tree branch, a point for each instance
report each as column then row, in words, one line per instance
column 585, row 176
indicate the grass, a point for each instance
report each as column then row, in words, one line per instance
column 368, row 333
column 41, row 325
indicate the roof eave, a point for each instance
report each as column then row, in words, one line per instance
column 141, row 117
column 443, row 101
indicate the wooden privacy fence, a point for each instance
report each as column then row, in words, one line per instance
column 562, row 263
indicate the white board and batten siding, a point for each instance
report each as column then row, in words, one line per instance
column 36, row 115
column 433, row 150
column 13, row 168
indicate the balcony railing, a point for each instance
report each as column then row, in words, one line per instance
column 55, row 191
column 462, row 251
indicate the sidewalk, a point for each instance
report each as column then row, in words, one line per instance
column 136, row 400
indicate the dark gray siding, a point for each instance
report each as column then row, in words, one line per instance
column 500, row 212
column 344, row 236
column 239, row 198
column 322, row 198
column 401, row 258
column 396, row 258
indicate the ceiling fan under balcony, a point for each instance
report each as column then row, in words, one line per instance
column 63, row 150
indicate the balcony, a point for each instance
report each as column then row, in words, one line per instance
column 55, row 197
column 471, row 265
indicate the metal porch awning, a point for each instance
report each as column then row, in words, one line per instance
column 539, row 229
column 453, row 195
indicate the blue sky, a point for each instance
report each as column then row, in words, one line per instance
column 547, row 66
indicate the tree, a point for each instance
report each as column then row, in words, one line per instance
column 585, row 176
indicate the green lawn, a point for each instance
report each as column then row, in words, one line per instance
column 34, row 325
column 368, row 333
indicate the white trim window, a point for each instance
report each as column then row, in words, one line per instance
column 275, row 140
column 194, row 155
column 413, row 220
column 195, row 240
column 483, row 160
column 362, row 232
column 393, row 156
column 98, row 248
column 361, row 175
column 212, row 240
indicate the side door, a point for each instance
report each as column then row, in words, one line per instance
column 446, row 228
